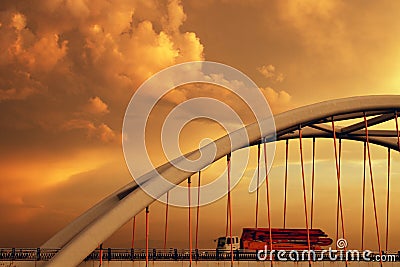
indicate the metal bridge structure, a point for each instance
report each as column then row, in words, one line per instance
column 79, row 241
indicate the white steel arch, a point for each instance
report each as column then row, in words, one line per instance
column 85, row 233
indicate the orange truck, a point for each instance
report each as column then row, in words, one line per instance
column 282, row 239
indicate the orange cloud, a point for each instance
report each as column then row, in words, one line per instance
column 278, row 100
column 101, row 132
column 18, row 21
column 13, row 94
column 103, row 50
column 105, row 133
column 36, row 53
column 96, row 106
column 175, row 16
column 269, row 72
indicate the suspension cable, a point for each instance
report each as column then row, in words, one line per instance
column 398, row 146
column 101, row 255
column 268, row 196
column 198, row 211
column 363, row 197
column 286, row 182
column 258, row 181
column 190, row 223
column 340, row 170
column 312, row 182
column 228, row 208
column 227, row 219
column 228, row 157
column 373, row 188
column 387, row 202
column 337, row 161
column 133, row 232
column 339, row 199
column 304, row 188
column 166, row 221
column 397, row 130
column 147, row 236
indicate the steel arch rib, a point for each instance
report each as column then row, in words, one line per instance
column 83, row 235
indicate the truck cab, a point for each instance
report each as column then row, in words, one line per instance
column 224, row 243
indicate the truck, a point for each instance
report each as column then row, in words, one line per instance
column 282, row 239
column 224, row 243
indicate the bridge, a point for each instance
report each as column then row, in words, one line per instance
column 360, row 119
column 117, row 255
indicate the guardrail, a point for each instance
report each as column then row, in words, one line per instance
column 26, row 254
column 123, row 254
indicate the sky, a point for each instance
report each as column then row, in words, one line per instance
column 69, row 68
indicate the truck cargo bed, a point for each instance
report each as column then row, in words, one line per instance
column 283, row 239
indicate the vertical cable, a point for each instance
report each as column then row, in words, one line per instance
column 198, row 211
column 363, row 197
column 387, row 202
column 258, row 181
column 312, row 182
column 190, row 223
column 227, row 219
column 147, row 236
column 166, row 221
column 228, row 157
column 397, row 130
column 304, row 189
column 337, row 160
column 340, row 155
column 101, row 255
column 398, row 147
column 340, row 171
column 373, row 188
column 339, row 199
column 268, row 196
column 286, row 182
column 133, row 232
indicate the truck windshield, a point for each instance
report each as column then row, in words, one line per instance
column 221, row 241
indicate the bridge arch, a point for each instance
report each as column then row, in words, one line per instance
column 90, row 229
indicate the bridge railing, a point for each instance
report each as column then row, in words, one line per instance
column 27, row 254
column 169, row 254
column 123, row 254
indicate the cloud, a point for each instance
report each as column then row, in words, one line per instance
column 98, row 51
column 269, row 72
column 96, row 106
column 13, row 94
column 100, row 132
column 18, row 21
column 29, row 51
column 278, row 100
column 175, row 17
column 22, row 86
column 105, row 133
column 68, row 70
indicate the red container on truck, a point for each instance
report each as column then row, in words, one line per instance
column 282, row 239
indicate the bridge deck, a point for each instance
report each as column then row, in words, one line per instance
column 122, row 254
